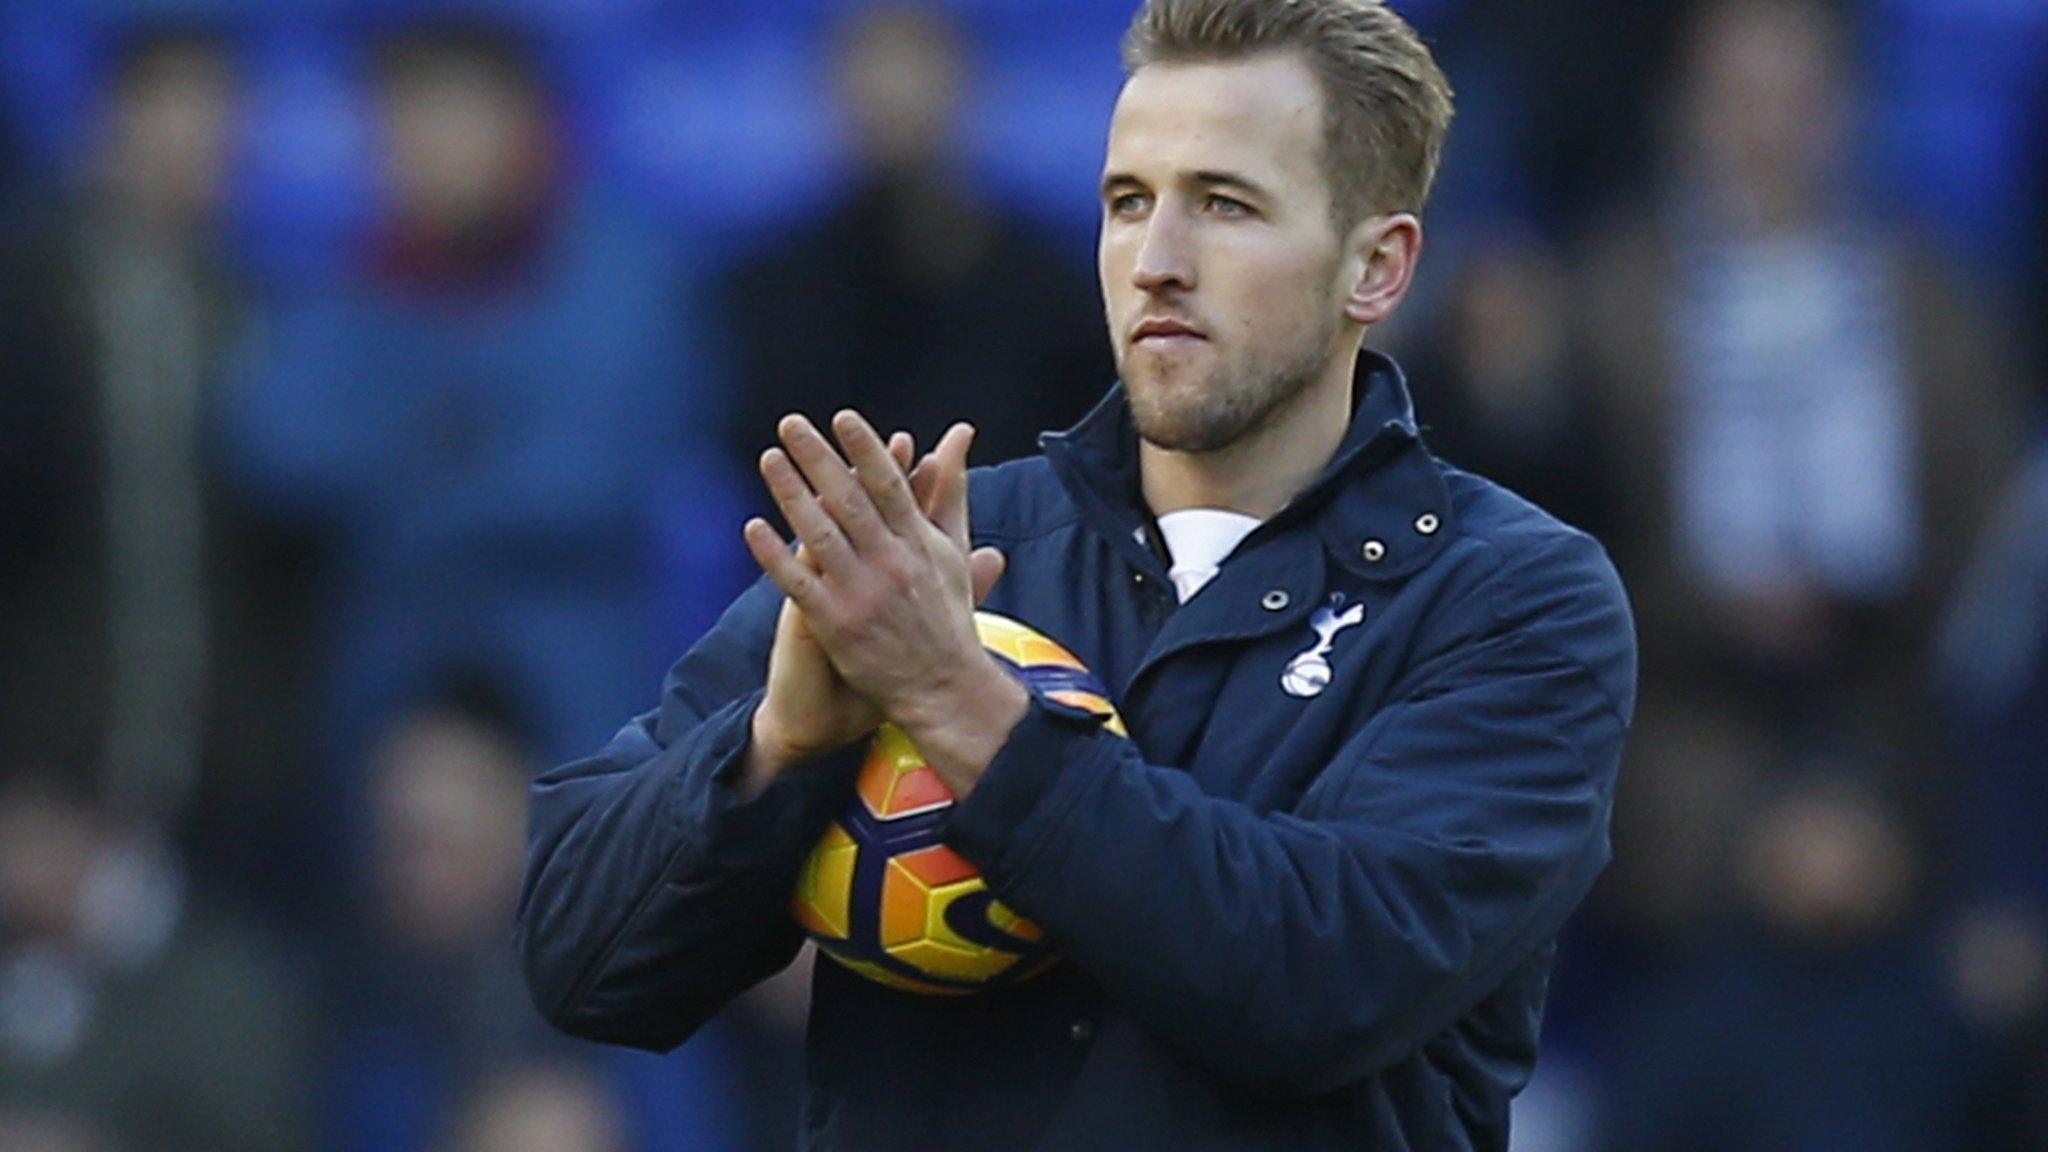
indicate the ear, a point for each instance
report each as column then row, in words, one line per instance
column 1381, row 254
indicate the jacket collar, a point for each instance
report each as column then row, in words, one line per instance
column 1380, row 505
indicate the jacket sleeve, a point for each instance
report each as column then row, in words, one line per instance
column 1293, row 953
column 653, row 895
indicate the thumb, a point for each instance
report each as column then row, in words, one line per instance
column 986, row 565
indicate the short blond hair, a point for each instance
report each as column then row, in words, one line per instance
column 1387, row 106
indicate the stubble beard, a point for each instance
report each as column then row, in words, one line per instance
column 1222, row 407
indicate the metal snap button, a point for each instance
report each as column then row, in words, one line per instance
column 1080, row 1031
column 1276, row 600
column 1427, row 523
column 1374, row 551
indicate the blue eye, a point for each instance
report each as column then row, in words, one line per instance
column 1225, row 206
column 1128, row 203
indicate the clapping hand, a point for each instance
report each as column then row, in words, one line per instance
column 810, row 707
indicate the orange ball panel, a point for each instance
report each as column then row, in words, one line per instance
column 904, row 898
column 890, row 755
column 918, row 790
column 938, row 866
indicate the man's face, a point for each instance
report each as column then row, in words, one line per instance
column 449, row 800
column 1765, row 109
column 170, row 132
column 1219, row 259
column 900, row 78
column 462, row 144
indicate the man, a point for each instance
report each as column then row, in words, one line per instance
column 914, row 291
column 138, row 638
column 468, row 429
column 1297, row 911
column 137, row 1010
column 1806, row 409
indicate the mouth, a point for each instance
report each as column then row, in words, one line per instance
column 1164, row 330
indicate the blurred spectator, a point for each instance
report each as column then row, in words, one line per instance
column 1825, row 1017
column 470, row 430
column 142, row 624
column 767, row 1041
column 915, row 299
column 541, row 1108
column 1810, row 412
column 131, row 1005
column 1498, row 380
column 1992, row 679
column 428, row 1006
column 1697, row 760
column 428, row 998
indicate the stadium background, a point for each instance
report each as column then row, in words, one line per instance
column 351, row 470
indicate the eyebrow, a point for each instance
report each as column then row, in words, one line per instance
column 1230, row 180
column 1207, row 179
column 1114, row 180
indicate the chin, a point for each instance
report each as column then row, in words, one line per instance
column 1199, row 412
column 1196, row 425
column 1189, row 441
column 1180, row 409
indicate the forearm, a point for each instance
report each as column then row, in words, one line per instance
column 655, row 892
column 654, row 888
column 1294, row 952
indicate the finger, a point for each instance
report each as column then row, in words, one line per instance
column 986, row 565
column 878, row 472
column 790, row 574
column 924, row 485
column 949, row 497
column 838, row 491
column 904, row 448
column 824, row 546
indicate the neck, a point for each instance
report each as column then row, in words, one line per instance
column 1260, row 472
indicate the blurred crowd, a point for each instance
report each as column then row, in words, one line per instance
column 379, row 389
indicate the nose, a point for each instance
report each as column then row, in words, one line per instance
column 1165, row 257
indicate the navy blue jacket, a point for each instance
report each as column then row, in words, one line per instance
column 1289, row 922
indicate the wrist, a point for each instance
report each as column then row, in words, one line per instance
column 769, row 755
column 960, row 728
